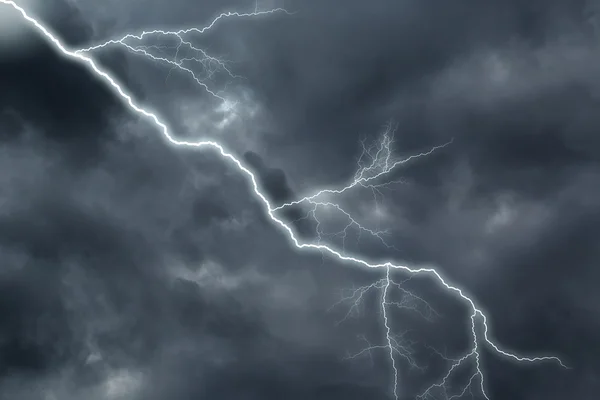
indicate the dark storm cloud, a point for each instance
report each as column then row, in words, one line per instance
column 514, row 83
column 106, row 263
column 274, row 182
column 46, row 102
column 26, row 304
column 362, row 64
column 149, row 266
column 40, row 88
column 43, row 90
column 90, row 269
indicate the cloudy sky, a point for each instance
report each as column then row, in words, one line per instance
column 135, row 269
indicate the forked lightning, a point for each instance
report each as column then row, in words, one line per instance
column 366, row 177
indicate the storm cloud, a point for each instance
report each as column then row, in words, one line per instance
column 135, row 269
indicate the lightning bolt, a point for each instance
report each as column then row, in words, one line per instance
column 381, row 164
column 366, row 178
column 210, row 64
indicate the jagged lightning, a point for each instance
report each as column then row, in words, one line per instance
column 380, row 167
column 381, row 164
column 198, row 55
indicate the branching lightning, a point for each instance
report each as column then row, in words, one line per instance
column 196, row 56
column 381, row 164
column 368, row 176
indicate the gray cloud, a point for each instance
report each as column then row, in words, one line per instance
column 133, row 269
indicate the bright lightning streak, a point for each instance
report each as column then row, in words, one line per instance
column 200, row 56
column 351, row 222
column 180, row 32
column 477, row 313
column 409, row 300
column 381, row 165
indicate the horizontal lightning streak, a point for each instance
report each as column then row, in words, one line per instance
column 361, row 179
column 80, row 57
column 179, row 32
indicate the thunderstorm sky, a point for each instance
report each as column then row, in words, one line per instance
column 134, row 269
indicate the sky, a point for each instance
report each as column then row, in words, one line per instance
column 132, row 268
